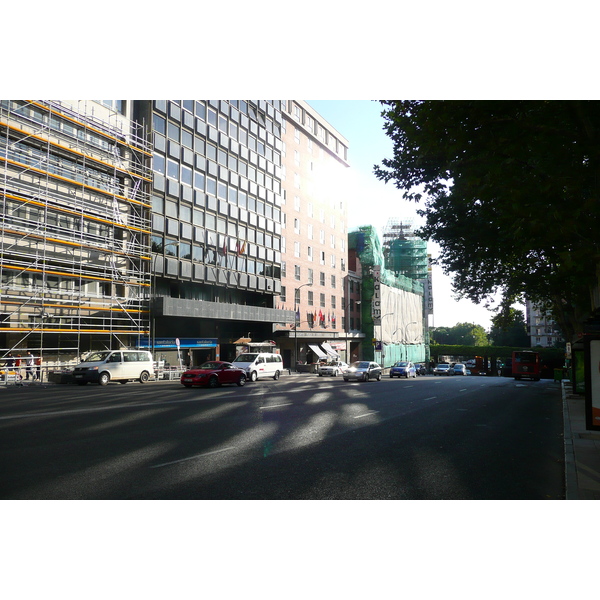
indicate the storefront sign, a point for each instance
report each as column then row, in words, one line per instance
column 376, row 302
column 164, row 343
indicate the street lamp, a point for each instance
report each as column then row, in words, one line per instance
column 382, row 342
column 406, row 336
column 297, row 322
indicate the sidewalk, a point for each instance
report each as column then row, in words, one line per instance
column 582, row 449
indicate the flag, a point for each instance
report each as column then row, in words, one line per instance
column 242, row 249
column 225, row 246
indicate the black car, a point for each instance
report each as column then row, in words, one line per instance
column 421, row 370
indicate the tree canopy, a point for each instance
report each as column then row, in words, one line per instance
column 510, row 192
column 462, row 334
column 510, row 330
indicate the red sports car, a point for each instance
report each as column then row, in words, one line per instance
column 213, row 374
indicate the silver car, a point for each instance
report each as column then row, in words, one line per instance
column 459, row 369
column 363, row 370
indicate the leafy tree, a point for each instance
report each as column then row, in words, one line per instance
column 462, row 334
column 511, row 193
column 510, row 330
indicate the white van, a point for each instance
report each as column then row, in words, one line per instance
column 116, row 365
column 260, row 364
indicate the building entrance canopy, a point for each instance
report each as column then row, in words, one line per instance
column 330, row 351
column 317, row 351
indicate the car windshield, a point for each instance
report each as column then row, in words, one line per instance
column 401, row 364
column 443, row 366
column 360, row 365
column 97, row 356
column 210, row 365
column 245, row 358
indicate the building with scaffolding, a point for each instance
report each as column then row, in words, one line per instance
column 74, row 228
column 392, row 307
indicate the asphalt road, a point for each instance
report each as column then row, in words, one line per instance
column 302, row 437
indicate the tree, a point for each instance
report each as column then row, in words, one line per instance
column 462, row 334
column 510, row 192
column 511, row 330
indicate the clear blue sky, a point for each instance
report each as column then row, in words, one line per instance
column 360, row 122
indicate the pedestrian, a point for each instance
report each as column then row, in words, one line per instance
column 38, row 368
column 10, row 361
column 29, row 366
column 18, row 367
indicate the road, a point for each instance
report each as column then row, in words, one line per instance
column 302, row 437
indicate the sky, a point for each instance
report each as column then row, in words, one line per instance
column 360, row 122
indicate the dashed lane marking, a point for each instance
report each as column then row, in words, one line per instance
column 173, row 462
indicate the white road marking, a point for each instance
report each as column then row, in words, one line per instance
column 366, row 414
column 173, row 462
column 431, row 398
column 275, row 405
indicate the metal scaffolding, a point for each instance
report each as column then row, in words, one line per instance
column 74, row 229
column 405, row 254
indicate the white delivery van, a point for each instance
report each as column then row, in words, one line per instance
column 260, row 364
column 116, row 365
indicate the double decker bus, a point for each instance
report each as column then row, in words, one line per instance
column 526, row 364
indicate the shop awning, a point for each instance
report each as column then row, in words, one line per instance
column 317, row 351
column 330, row 350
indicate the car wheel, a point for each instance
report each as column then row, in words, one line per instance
column 144, row 377
column 276, row 376
column 242, row 380
column 253, row 376
column 378, row 376
column 104, row 378
column 320, row 374
column 345, row 379
column 213, row 382
column 391, row 376
column 334, row 374
column 366, row 378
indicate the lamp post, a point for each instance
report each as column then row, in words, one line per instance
column 382, row 342
column 297, row 322
column 406, row 336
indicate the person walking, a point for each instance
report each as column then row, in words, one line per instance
column 38, row 368
column 29, row 366
column 18, row 367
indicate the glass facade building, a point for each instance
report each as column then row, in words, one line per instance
column 216, row 220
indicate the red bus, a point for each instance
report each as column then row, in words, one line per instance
column 526, row 364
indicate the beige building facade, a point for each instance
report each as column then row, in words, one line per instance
column 314, row 274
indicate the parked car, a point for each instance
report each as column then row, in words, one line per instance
column 443, row 369
column 421, row 369
column 363, row 370
column 459, row 369
column 213, row 374
column 332, row 369
column 260, row 364
column 115, row 365
column 403, row 368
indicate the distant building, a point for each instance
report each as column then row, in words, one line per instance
column 541, row 327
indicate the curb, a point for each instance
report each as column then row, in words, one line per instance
column 571, row 487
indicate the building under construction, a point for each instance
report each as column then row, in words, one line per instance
column 74, row 228
column 404, row 253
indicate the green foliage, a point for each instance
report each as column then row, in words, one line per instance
column 465, row 334
column 509, row 329
column 511, row 194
